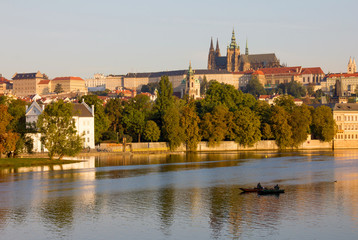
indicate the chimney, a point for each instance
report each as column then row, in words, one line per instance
column 43, row 107
column 92, row 109
column 27, row 107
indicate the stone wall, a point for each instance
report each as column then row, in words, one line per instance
column 204, row 147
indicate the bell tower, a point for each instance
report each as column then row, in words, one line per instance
column 233, row 54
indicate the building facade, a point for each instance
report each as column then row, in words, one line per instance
column 346, row 117
column 83, row 116
column 25, row 84
column 69, row 84
column 234, row 61
column 191, row 85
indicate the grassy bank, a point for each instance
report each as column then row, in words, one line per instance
column 31, row 162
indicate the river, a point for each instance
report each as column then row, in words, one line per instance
column 184, row 196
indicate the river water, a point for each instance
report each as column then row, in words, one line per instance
column 184, row 196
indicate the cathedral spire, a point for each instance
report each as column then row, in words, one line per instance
column 217, row 50
column 233, row 44
column 246, row 49
column 211, row 44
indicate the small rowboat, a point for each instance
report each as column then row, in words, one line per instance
column 247, row 190
column 270, row 191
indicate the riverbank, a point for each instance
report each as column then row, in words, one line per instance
column 32, row 162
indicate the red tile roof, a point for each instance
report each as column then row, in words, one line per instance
column 258, row 72
column 44, row 81
column 68, row 78
column 314, row 70
column 345, row 75
column 4, row 80
column 281, row 70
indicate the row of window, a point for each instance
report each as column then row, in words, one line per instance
column 346, row 136
column 348, row 127
column 347, row 118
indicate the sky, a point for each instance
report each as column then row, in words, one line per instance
column 84, row 37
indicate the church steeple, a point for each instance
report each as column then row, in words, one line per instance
column 211, row 45
column 217, row 50
column 233, row 44
column 246, row 49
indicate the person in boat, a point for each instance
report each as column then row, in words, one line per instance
column 259, row 186
column 276, row 187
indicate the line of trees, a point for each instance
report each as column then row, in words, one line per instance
column 224, row 114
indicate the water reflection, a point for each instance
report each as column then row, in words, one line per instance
column 180, row 196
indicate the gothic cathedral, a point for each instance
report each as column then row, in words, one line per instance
column 234, row 62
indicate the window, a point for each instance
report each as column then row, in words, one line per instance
column 88, row 139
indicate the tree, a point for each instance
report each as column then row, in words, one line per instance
column 292, row 88
column 150, row 87
column 285, row 101
column 323, row 125
column 190, row 124
column 263, row 110
column 134, row 121
column 246, row 127
column 300, row 120
column 165, row 96
column 204, row 86
column 172, row 132
column 58, row 88
column 254, row 87
column 8, row 139
column 58, row 130
column 219, row 93
column 281, row 129
column 310, row 89
column 214, row 126
column 101, row 121
column 151, row 131
column 114, row 110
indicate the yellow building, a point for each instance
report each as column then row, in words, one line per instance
column 69, row 84
column 25, row 84
column 346, row 117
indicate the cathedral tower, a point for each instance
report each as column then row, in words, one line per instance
column 352, row 67
column 233, row 54
column 211, row 58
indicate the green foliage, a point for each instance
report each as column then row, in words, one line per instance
column 292, row 88
column 150, row 87
column 114, row 110
column 254, row 87
column 285, row 101
column 310, row 89
column 300, row 120
column 134, row 121
column 263, row 110
column 101, row 121
column 190, row 124
column 151, row 131
column 58, row 130
column 323, row 125
column 214, row 126
column 165, row 96
column 204, row 86
column 58, row 88
column 172, row 132
column 281, row 129
column 218, row 94
column 17, row 110
column 8, row 138
column 245, row 129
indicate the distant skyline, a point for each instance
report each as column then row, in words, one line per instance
column 83, row 37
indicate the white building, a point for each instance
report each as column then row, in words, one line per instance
column 84, row 120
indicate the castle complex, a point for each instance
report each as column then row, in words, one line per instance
column 234, row 61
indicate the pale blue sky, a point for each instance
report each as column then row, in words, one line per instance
column 83, row 37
